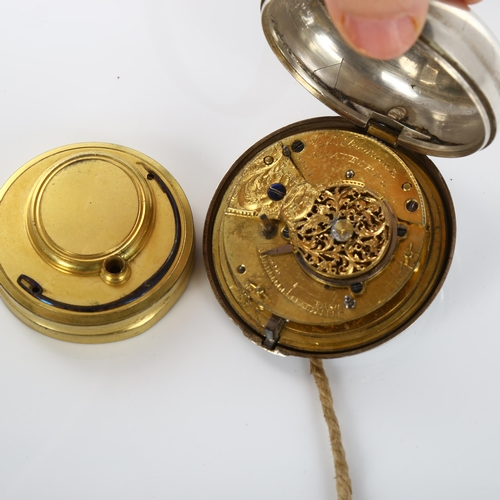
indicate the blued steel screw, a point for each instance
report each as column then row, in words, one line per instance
column 411, row 205
column 276, row 192
column 297, row 146
column 402, row 230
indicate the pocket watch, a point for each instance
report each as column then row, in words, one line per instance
column 332, row 235
column 327, row 237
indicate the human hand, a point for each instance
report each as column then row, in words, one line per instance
column 382, row 29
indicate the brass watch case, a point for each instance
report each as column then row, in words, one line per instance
column 277, row 263
column 98, row 243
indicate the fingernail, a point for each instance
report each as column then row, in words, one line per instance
column 383, row 38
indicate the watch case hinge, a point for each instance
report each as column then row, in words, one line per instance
column 383, row 132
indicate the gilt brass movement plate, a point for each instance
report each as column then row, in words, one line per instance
column 323, row 241
column 98, row 243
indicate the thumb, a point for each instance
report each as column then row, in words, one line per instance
column 382, row 29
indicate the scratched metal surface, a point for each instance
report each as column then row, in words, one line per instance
column 191, row 408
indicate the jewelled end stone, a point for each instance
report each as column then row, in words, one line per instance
column 342, row 230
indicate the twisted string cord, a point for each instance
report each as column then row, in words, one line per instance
column 344, row 487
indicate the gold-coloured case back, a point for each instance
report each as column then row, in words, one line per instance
column 98, row 243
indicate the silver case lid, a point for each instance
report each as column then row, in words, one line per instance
column 442, row 97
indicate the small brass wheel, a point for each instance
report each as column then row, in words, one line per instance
column 329, row 248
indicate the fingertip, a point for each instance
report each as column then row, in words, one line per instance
column 381, row 38
column 382, row 30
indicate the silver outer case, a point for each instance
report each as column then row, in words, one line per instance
column 442, row 97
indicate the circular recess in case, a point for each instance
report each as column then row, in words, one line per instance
column 351, row 254
column 98, row 243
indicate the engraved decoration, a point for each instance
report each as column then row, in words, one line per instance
column 345, row 233
column 250, row 193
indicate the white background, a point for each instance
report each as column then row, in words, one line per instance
column 191, row 409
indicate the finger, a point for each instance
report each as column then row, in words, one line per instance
column 382, row 29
